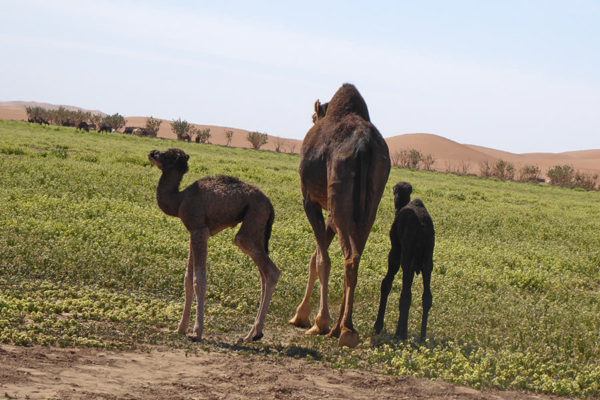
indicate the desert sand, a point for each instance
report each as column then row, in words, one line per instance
column 82, row 373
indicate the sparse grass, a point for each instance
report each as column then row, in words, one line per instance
column 87, row 258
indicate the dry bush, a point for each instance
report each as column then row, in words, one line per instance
column 464, row 167
column 485, row 169
column 257, row 139
column 395, row 159
column 428, row 162
column 181, row 128
column 203, row 135
column 152, row 126
column 504, row 170
column 529, row 173
column 228, row 136
column 278, row 144
column 565, row 175
column 585, row 181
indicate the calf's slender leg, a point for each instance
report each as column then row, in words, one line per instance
column 386, row 285
column 405, row 300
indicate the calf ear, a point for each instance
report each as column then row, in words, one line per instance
column 317, row 107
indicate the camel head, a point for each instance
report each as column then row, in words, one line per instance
column 402, row 192
column 170, row 159
column 320, row 110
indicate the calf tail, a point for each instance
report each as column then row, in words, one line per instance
column 269, row 228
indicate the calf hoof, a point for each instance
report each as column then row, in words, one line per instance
column 401, row 334
column 256, row 337
column 195, row 339
column 348, row 338
column 378, row 327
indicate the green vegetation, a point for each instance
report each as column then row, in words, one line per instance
column 87, row 258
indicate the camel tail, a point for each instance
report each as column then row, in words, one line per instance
column 269, row 228
column 362, row 187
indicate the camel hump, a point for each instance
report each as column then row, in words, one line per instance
column 347, row 100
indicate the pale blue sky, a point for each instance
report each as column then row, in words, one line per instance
column 520, row 76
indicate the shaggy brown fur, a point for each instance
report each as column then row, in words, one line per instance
column 206, row 207
column 413, row 239
column 344, row 168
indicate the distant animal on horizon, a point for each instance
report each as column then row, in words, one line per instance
column 83, row 126
column 105, row 128
column 139, row 132
column 38, row 120
column 413, row 239
column 206, row 207
column 344, row 167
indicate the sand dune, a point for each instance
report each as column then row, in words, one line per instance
column 448, row 155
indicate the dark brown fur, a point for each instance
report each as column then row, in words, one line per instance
column 413, row 238
column 344, row 167
column 206, row 207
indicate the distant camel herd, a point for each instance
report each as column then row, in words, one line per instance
column 344, row 167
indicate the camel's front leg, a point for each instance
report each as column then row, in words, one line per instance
column 189, row 294
column 199, row 243
column 386, row 284
column 301, row 319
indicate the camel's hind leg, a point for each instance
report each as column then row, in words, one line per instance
column 405, row 301
column 427, row 297
column 250, row 239
column 344, row 328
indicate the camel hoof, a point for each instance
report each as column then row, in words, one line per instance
column 315, row 330
column 334, row 333
column 348, row 338
column 300, row 322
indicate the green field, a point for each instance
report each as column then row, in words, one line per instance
column 88, row 259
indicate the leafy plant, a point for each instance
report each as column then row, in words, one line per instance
column 152, row 126
column 182, row 129
column 257, row 139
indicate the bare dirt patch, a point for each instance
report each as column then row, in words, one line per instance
column 81, row 373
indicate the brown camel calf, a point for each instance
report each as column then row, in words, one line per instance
column 206, row 207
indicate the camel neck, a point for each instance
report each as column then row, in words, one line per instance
column 168, row 195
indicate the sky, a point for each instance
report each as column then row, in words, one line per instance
column 519, row 76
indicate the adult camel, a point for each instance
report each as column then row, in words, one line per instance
column 344, row 167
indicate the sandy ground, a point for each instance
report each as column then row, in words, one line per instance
column 81, row 373
column 449, row 156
